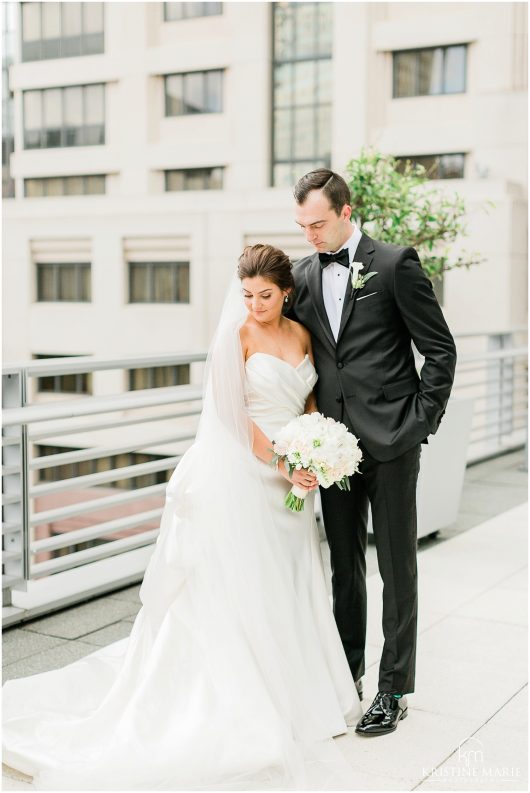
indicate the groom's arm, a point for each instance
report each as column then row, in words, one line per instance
column 421, row 313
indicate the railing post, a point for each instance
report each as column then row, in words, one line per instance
column 15, row 518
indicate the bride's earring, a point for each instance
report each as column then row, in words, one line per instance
column 286, row 299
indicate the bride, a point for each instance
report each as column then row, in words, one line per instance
column 234, row 675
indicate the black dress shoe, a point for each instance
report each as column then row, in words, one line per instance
column 383, row 714
column 359, row 687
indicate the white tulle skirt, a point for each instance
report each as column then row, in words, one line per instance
column 233, row 676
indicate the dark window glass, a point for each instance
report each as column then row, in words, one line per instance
column 437, row 166
column 159, row 282
column 63, row 281
column 430, row 71
column 64, row 185
column 301, row 119
column 61, row 117
column 159, row 376
column 176, row 11
column 79, row 383
column 194, row 92
column 61, row 30
column 194, row 179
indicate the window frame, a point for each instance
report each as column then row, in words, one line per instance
column 80, row 270
column 417, row 51
column 62, row 40
column 206, row 171
column 315, row 105
column 183, row 76
column 176, row 265
column 185, row 17
column 63, row 128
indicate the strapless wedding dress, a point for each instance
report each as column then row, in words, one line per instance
column 234, row 670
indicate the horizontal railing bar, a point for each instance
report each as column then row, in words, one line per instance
column 10, row 440
column 464, row 369
column 498, row 408
column 490, row 392
column 99, row 452
column 111, row 424
column 9, row 470
column 498, row 423
column 494, row 355
column 76, row 536
column 477, row 333
column 11, row 498
column 9, row 527
column 93, row 554
column 495, row 435
column 9, row 556
column 127, row 472
column 132, row 400
column 82, row 507
column 80, row 364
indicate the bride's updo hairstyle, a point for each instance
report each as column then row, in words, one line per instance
column 270, row 263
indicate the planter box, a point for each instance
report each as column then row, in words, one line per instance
column 442, row 470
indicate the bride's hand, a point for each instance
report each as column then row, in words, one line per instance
column 302, row 478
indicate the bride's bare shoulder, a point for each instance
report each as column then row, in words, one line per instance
column 301, row 330
column 247, row 337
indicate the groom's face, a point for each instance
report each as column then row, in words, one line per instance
column 323, row 228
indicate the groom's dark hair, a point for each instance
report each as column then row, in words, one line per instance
column 332, row 185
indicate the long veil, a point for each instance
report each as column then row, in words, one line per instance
column 211, row 690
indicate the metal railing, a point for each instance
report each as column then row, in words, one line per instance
column 70, row 534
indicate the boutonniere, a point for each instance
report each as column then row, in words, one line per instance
column 359, row 281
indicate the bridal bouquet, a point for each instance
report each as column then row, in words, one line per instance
column 323, row 446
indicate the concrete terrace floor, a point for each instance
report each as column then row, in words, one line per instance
column 467, row 722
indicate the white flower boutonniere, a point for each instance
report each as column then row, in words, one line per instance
column 359, row 281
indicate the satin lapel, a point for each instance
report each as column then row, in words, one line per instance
column 313, row 276
column 364, row 254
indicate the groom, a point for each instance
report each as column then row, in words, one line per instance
column 364, row 302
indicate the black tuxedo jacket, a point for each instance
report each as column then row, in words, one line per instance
column 367, row 378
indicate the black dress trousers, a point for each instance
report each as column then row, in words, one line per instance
column 390, row 487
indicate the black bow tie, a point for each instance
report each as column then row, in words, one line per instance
column 342, row 257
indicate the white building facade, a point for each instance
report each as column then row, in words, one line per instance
column 153, row 141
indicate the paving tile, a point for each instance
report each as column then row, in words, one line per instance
column 518, row 580
column 421, row 740
column 484, row 499
column 514, row 713
column 111, row 633
column 493, row 758
column 129, row 594
column 18, row 643
column 56, row 657
column 75, row 622
column 499, row 604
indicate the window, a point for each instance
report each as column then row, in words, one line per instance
column 159, row 282
column 63, row 281
column 64, row 185
column 436, row 70
column 438, row 166
column 9, row 24
column 100, row 464
column 301, row 124
column 174, row 11
column 159, row 376
column 60, row 117
column 61, row 30
column 194, row 179
column 75, row 383
column 194, row 92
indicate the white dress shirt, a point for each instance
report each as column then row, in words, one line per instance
column 335, row 280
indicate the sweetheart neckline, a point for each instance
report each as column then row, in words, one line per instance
column 279, row 359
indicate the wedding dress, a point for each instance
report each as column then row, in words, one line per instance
column 234, row 675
